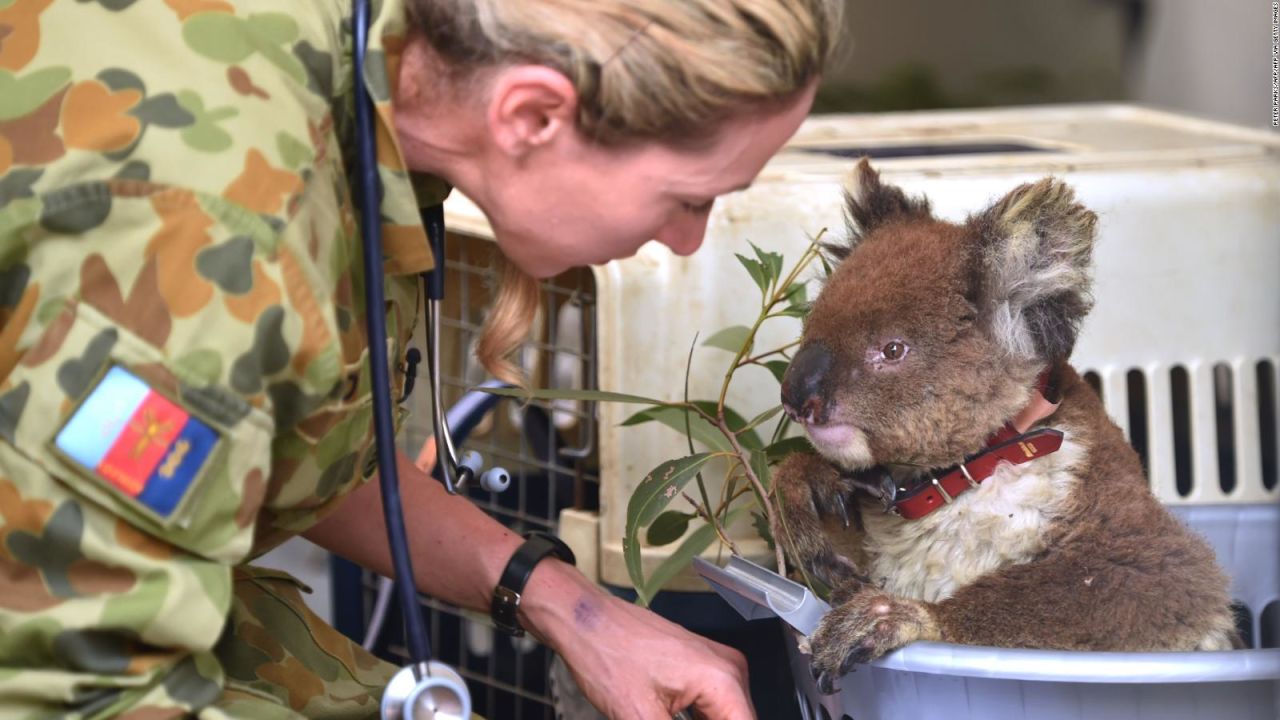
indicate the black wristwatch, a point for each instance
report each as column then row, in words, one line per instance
column 506, row 596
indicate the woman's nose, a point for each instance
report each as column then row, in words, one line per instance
column 683, row 235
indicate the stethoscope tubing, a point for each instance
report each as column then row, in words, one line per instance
column 370, row 189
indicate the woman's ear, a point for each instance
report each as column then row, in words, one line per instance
column 529, row 106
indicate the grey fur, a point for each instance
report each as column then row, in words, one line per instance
column 1033, row 268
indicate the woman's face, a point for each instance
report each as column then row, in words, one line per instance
column 575, row 203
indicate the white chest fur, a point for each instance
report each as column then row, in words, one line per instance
column 1004, row 521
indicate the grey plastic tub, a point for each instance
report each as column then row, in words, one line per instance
column 924, row 681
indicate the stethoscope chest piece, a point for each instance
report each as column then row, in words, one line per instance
column 431, row 692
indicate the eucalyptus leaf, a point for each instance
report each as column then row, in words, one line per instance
column 692, row 546
column 771, row 261
column 777, row 367
column 668, row 528
column 732, row 338
column 764, row 416
column 786, row 446
column 760, row 466
column 796, row 295
column 649, row 499
column 737, row 424
column 757, row 271
column 674, row 418
column 795, row 311
column 761, row 524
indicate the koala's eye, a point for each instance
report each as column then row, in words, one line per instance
column 894, row 350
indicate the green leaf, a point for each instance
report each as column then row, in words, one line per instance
column 760, row 466
column 693, row 545
column 786, row 446
column 737, row 424
column 771, row 261
column 795, row 311
column 731, row 338
column 674, row 417
column 668, row 528
column 757, row 271
column 778, row 368
column 571, row 394
column 796, row 295
column 761, row 524
column 650, row 498
column 764, row 416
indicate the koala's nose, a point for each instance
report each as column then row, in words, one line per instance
column 803, row 382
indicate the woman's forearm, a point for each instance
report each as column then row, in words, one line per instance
column 458, row 551
column 629, row 662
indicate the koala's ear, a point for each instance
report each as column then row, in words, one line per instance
column 870, row 204
column 1033, row 283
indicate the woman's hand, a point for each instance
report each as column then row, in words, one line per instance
column 629, row 662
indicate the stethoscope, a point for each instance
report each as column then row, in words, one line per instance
column 425, row 689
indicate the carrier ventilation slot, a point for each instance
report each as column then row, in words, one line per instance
column 1136, row 384
column 882, row 152
column 1270, row 630
column 1224, row 421
column 1267, row 433
column 1094, row 380
column 1180, row 398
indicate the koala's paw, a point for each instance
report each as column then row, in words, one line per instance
column 866, row 625
column 812, row 491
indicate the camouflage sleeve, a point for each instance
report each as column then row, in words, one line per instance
column 167, row 304
column 136, row 427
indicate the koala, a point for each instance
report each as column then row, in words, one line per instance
column 928, row 339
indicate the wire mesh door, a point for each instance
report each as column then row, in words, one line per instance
column 548, row 447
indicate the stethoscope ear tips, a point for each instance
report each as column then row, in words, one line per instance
column 495, row 479
column 472, row 461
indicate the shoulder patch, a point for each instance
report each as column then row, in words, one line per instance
column 136, row 440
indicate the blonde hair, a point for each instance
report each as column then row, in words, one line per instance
column 665, row 70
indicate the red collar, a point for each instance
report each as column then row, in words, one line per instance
column 1011, row 443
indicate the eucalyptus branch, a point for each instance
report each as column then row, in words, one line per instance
column 779, row 294
column 688, row 431
column 775, row 351
column 770, row 515
column 708, row 516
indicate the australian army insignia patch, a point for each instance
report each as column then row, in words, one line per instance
column 138, row 441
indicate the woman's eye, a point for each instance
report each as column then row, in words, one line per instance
column 698, row 209
column 894, row 350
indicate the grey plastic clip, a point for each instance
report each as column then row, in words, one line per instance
column 757, row 592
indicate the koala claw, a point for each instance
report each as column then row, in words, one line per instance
column 867, row 625
column 832, row 504
column 826, row 682
column 834, row 569
column 842, row 510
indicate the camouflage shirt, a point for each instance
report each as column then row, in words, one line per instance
column 181, row 293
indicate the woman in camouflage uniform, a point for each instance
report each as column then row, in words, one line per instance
column 183, row 382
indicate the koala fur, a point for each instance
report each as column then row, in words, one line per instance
column 1069, row 550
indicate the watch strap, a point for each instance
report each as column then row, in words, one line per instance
column 506, row 596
